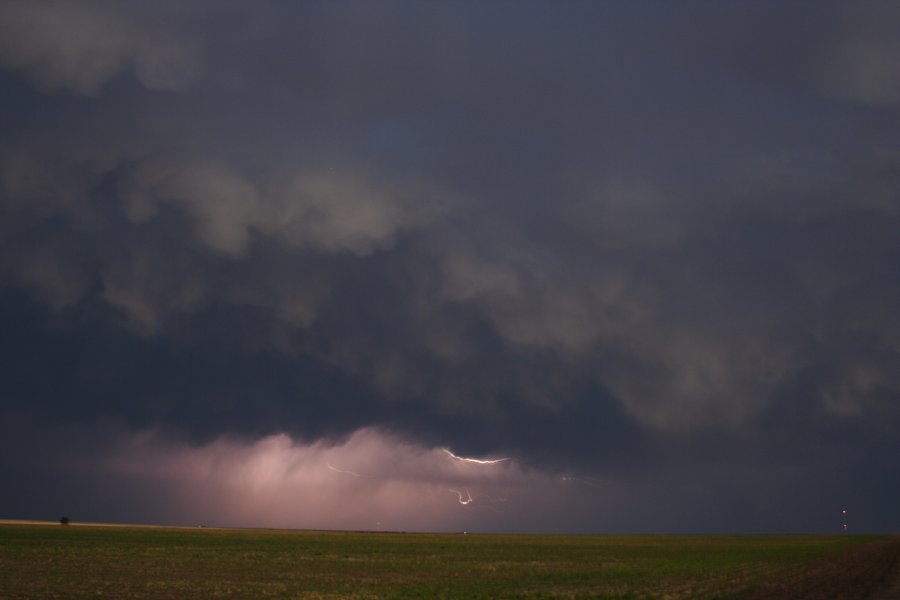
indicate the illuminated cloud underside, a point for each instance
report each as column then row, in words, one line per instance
column 369, row 481
column 581, row 266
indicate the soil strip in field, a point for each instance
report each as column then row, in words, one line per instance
column 870, row 571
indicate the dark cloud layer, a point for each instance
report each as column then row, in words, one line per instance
column 653, row 244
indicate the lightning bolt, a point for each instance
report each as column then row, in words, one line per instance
column 477, row 461
column 464, row 500
column 336, row 470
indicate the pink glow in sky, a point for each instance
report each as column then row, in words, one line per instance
column 370, row 481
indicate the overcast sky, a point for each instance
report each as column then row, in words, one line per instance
column 288, row 264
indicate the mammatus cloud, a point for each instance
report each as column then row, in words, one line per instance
column 858, row 67
column 224, row 215
column 80, row 46
column 327, row 211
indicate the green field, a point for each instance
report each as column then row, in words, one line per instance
column 79, row 561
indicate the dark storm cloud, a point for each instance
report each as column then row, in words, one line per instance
column 650, row 240
column 80, row 46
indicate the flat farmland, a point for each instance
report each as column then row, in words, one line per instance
column 81, row 561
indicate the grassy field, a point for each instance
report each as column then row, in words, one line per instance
column 78, row 561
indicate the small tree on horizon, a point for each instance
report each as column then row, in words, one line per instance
column 64, row 521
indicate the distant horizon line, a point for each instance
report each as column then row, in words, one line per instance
column 71, row 523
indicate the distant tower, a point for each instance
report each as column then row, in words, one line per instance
column 844, row 516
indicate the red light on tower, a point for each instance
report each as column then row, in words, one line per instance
column 844, row 514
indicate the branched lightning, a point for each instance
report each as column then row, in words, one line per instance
column 336, row 470
column 477, row 461
column 463, row 500
column 466, row 498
